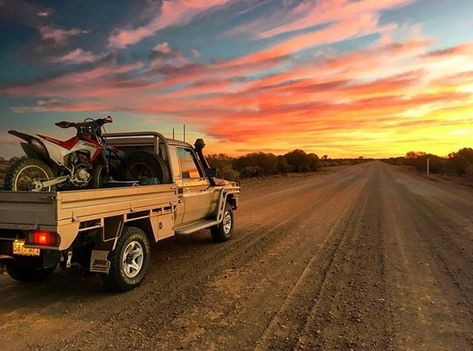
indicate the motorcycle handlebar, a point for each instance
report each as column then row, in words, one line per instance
column 97, row 122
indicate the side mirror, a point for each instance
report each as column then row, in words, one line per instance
column 211, row 172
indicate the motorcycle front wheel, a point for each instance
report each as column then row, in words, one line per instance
column 22, row 175
column 99, row 176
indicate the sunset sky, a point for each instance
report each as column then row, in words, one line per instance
column 338, row 77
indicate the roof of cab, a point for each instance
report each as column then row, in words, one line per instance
column 181, row 143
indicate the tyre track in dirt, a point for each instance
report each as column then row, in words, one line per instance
column 432, row 274
column 334, row 305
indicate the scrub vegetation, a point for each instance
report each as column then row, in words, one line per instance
column 458, row 163
column 260, row 164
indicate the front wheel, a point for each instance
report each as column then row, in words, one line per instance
column 25, row 173
column 129, row 261
column 223, row 231
column 99, row 176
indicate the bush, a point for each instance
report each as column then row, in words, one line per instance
column 283, row 166
column 223, row 163
column 302, row 162
column 459, row 162
column 256, row 164
column 419, row 161
column 260, row 164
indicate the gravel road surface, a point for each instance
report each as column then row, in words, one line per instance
column 368, row 257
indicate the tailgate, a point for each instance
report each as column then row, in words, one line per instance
column 27, row 210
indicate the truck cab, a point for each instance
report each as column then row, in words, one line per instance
column 109, row 231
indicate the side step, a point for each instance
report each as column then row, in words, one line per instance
column 193, row 227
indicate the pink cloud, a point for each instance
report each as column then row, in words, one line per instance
column 77, row 56
column 58, row 35
column 311, row 13
column 338, row 31
column 462, row 49
column 196, row 52
column 173, row 13
column 162, row 48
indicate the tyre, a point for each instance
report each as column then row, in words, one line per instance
column 28, row 274
column 98, row 176
column 223, row 231
column 141, row 165
column 129, row 261
column 21, row 175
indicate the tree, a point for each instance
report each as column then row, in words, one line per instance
column 412, row 155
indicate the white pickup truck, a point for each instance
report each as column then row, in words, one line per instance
column 109, row 230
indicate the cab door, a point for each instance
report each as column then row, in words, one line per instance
column 196, row 191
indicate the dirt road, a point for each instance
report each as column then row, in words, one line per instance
column 370, row 257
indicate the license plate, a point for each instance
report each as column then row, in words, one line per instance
column 20, row 249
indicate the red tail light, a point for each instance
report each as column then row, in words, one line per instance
column 42, row 238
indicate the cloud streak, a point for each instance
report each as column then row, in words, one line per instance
column 58, row 35
column 76, row 56
column 172, row 13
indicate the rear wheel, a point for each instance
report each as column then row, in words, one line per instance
column 28, row 274
column 21, row 176
column 141, row 165
column 129, row 261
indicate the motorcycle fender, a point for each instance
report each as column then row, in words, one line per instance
column 56, row 153
column 35, row 151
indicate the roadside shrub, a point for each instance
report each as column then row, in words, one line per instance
column 459, row 162
column 223, row 163
column 419, row 161
column 299, row 161
column 283, row 166
column 469, row 173
column 256, row 164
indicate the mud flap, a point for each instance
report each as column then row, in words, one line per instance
column 99, row 262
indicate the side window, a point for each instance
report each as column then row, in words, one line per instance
column 189, row 167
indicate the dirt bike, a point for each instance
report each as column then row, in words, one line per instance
column 82, row 161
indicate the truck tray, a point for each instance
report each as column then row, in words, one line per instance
column 64, row 211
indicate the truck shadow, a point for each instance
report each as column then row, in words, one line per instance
column 72, row 289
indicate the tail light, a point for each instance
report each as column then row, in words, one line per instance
column 42, row 238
